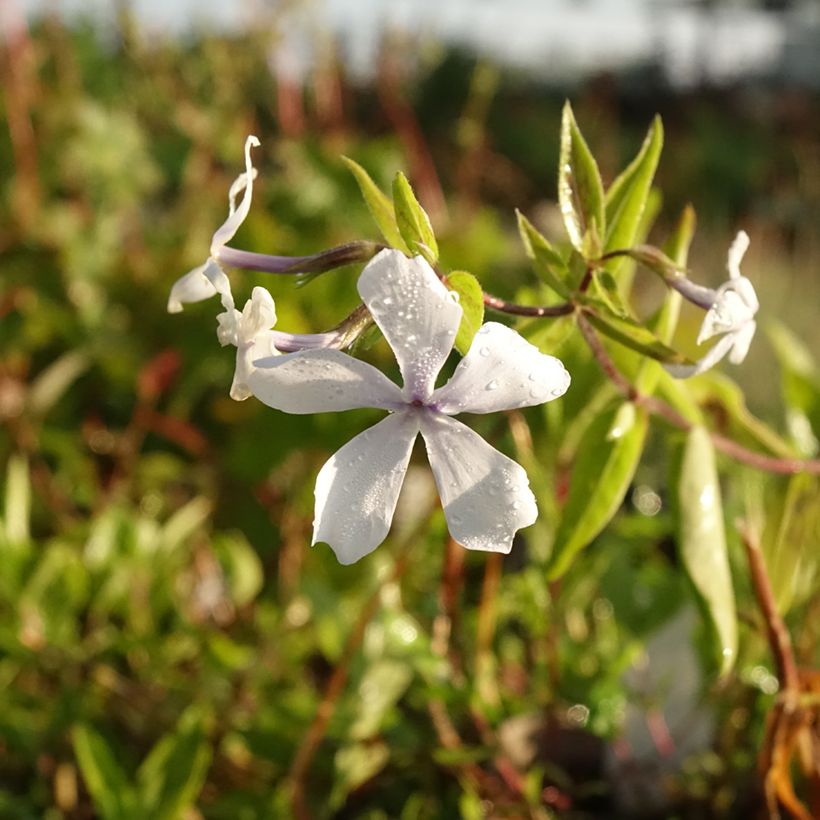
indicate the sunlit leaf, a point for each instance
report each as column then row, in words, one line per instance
column 355, row 765
column 17, row 507
column 703, row 540
column 413, row 222
column 547, row 262
column 580, row 191
column 379, row 204
column 600, row 478
column 471, row 299
column 625, row 199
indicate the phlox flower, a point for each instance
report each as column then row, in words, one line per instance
column 198, row 283
column 485, row 495
column 732, row 311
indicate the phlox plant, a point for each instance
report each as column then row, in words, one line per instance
column 429, row 314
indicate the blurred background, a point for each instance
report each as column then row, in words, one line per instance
column 169, row 645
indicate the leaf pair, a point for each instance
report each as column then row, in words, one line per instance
column 405, row 226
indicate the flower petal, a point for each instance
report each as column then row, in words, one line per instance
column 193, row 287
column 237, row 215
column 486, row 496
column 742, row 340
column 720, row 349
column 263, row 345
column 736, row 252
column 415, row 312
column 501, row 371
column 318, row 381
column 357, row 489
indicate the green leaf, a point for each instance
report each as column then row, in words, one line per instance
column 355, row 765
column 17, row 501
column 547, row 262
column 580, row 191
column 703, row 540
column 171, row 777
column 789, row 541
column 635, row 336
column 600, row 478
column 385, row 681
column 800, row 385
column 626, row 198
column 665, row 321
column 413, row 222
column 106, row 782
column 471, row 299
column 379, row 204
column 718, row 391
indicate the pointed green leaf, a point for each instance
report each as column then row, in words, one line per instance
column 800, row 386
column 635, row 336
column 379, row 204
column 355, row 764
column 17, row 510
column 413, row 222
column 789, row 541
column 171, row 777
column 471, row 299
column 703, row 540
column 106, row 782
column 580, row 190
column 600, row 478
column 626, row 198
column 547, row 262
column 665, row 321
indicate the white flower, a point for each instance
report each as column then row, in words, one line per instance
column 732, row 313
column 485, row 495
column 250, row 332
column 198, row 284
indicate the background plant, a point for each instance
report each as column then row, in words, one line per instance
column 167, row 639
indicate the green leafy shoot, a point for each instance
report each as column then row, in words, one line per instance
column 580, row 190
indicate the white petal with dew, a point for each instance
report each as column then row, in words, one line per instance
column 357, row 489
column 501, row 371
column 486, row 496
column 193, row 287
column 720, row 349
column 237, row 215
column 318, row 381
column 415, row 312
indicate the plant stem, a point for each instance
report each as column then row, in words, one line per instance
column 495, row 303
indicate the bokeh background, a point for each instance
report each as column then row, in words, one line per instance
column 169, row 644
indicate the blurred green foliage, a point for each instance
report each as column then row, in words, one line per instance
column 170, row 646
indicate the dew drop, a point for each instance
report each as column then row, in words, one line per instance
column 388, row 300
column 492, row 385
column 532, row 377
column 515, row 505
column 454, row 296
column 556, row 392
column 456, row 519
column 484, row 351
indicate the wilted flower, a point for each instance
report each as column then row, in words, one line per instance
column 197, row 284
column 485, row 495
column 731, row 313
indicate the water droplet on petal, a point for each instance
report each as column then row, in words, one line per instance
column 484, row 351
column 388, row 300
column 492, row 385
column 454, row 296
column 456, row 519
